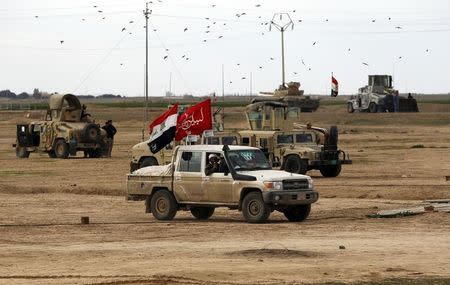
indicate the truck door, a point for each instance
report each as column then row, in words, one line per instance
column 218, row 186
column 188, row 177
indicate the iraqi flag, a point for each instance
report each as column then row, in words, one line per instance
column 163, row 129
column 195, row 120
column 334, row 86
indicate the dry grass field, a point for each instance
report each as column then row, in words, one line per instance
column 399, row 160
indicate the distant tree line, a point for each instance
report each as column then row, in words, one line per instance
column 40, row 95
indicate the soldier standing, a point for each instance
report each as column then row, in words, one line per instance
column 110, row 133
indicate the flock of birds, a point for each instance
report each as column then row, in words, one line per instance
column 209, row 30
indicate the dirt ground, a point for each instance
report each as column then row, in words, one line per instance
column 399, row 161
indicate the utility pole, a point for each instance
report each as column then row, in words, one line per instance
column 223, row 97
column 147, row 12
column 170, row 84
column 251, row 92
column 282, row 25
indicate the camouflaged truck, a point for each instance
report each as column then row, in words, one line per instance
column 64, row 131
column 293, row 147
column 243, row 180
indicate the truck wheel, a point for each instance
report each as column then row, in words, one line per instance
column 254, row 209
column 91, row 132
column 297, row 213
column 21, row 152
column 61, row 149
column 330, row 170
column 202, row 213
column 163, row 205
column 373, row 108
column 148, row 161
column 350, row 108
column 52, row 154
column 295, row 164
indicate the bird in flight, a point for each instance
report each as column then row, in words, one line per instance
column 61, row 42
column 165, row 57
column 365, row 63
column 185, row 29
column 303, row 62
column 398, row 28
column 258, row 5
column 314, row 43
column 123, row 29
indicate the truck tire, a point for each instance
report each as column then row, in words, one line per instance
column 61, row 149
column 21, row 152
column 373, row 108
column 350, row 108
column 202, row 213
column 148, row 161
column 297, row 213
column 90, row 133
column 254, row 209
column 294, row 164
column 330, row 170
column 332, row 140
column 163, row 205
column 51, row 154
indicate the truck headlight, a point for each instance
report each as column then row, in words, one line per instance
column 273, row 185
column 310, row 183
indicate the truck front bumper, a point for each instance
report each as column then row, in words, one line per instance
column 290, row 197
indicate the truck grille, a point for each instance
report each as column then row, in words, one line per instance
column 295, row 184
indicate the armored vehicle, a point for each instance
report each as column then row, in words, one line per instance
column 65, row 130
column 292, row 96
column 242, row 180
column 380, row 96
column 293, row 147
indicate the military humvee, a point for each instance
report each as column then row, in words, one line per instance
column 63, row 132
column 379, row 96
column 297, row 149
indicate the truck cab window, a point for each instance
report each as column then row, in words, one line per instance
column 190, row 162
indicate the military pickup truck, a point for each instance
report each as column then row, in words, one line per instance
column 244, row 180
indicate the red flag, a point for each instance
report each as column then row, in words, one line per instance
column 195, row 120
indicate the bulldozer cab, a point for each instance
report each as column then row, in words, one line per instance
column 379, row 83
column 64, row 108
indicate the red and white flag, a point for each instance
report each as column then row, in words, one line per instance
column 334, row 87
column 195, row 120
column 162, row 130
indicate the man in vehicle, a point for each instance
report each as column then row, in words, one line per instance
column 213, row 165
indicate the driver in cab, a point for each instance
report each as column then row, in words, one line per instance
column 214, row 164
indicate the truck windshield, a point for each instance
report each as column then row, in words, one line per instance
column 247, row 160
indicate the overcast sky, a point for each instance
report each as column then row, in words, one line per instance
column 407, row 38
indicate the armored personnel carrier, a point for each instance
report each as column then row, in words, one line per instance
column 292, row 96
column 65, row 130
column 380, row 96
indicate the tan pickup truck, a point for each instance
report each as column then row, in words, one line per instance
column 203, row 177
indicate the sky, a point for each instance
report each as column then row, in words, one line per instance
column 190, row 42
